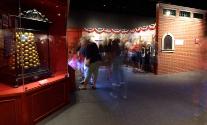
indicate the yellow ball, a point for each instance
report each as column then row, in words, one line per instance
column 22, row 45
column 30, row 34
column 26, row 67
column 26, row 63
column 26, row 51
column 21, row 61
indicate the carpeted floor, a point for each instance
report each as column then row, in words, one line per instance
column 145, row 99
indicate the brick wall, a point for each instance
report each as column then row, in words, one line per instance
column 186, row 56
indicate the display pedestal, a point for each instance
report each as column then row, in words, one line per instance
column 26, row 105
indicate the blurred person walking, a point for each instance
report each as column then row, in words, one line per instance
column 117, row 69
column 91, row 62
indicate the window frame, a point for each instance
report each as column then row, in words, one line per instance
column 169, row 10
column 186, row 12
column 198, row 14
column 173, row 43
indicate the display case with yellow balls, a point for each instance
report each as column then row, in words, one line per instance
column 25, row 52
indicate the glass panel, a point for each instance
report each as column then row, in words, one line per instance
column 24, row 45
column 184, row 14
column 32, row 53
column 169, row 12
column 8, row 61
column 198, row 15
column 168, row 43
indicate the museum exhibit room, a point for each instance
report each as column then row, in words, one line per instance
column 103, row 62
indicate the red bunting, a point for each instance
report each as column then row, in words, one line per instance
column 99, row 30
column 120, row 31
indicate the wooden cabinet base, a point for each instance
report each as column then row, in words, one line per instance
column 38, row 101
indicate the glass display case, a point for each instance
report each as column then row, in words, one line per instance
column 24, row 49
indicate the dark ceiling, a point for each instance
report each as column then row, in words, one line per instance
column 139, row 7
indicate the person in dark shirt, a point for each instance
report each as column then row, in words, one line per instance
column 92, row 53
column 92, row 58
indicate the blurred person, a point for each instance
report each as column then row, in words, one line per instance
column 142, row 61
column 147, row 58
column 80, row 55
column 128, row 45
column 117, row 70
column 108, row 51
column 135, row 57
column 91, row 61
column 152, row 58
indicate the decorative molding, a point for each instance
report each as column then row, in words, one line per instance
column 35, row 15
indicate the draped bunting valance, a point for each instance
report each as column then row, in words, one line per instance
column 120, row 31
